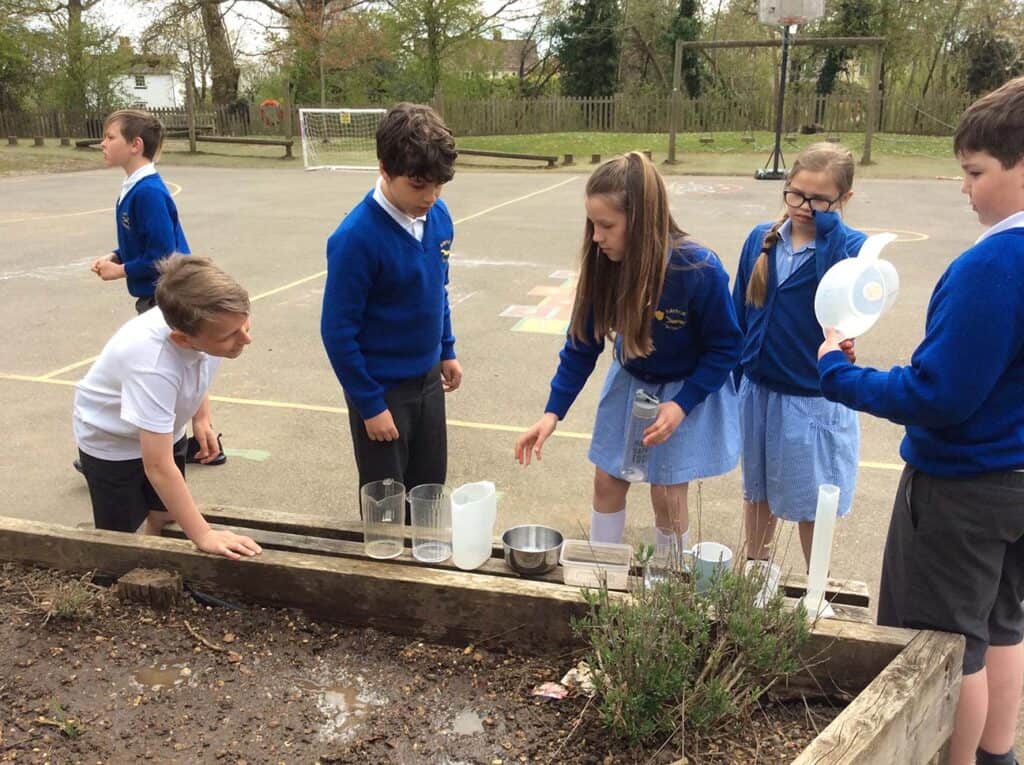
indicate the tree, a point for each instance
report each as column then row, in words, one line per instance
column 178, row 32
column 686, row 25
column 17, row 74
column 433, row 30
column 587, row 43
column 989, row 60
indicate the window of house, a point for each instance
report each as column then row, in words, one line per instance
column 140, row 81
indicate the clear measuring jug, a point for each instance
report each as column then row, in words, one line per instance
column 431, row 505
column 383, row 505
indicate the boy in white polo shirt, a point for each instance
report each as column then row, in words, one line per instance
column 133, row 405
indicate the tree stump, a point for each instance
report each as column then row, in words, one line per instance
column 568, row 159
column 39, row 140
column 153, row 587
column 65, row 141
column 595, row 159
column 12, row 140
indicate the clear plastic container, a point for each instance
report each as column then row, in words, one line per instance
column 593, row 564
column 634, row 456
column 383, row 505
column 431, row 505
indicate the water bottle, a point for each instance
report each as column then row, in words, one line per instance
column 634, row 458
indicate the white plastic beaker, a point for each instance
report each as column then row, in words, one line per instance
column 854, row 293
column 474, row 509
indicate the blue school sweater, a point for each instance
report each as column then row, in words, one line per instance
column 148, row 230
column 385, row 313
column 962, row 397
column 781, row 339
column 694, row 331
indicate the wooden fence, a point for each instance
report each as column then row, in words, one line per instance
column 934, row 115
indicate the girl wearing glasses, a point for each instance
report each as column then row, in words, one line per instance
column 793, row 438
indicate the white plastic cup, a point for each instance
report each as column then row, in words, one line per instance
column 768, row 575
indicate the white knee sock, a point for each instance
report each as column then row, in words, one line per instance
column 607, row 527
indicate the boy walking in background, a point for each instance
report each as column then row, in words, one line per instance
column 386, row 322
column 148, row 228
column 133, row 404
column 954, row 557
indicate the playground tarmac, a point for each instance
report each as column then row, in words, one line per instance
column 279, row 405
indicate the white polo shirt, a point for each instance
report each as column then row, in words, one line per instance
column 141, row 381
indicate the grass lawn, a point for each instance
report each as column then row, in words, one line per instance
column 895, row 156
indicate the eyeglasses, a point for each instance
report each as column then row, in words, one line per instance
column 797, row 199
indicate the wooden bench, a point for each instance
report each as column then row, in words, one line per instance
column 285, row 142
column 88, row 143
column 551, row 160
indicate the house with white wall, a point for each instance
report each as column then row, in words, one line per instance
column 151, row 82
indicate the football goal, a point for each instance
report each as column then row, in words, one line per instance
column 339, row 139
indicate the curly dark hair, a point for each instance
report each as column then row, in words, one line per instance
column 412, row 140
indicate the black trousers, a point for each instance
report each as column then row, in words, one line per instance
column 420, row 453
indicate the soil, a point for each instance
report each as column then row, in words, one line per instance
column 87, row 678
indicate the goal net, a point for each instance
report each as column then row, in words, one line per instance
column 339, row 139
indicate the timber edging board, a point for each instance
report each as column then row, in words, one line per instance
column 443, row 606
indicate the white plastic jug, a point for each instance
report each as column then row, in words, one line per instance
column 474, row 509
column 854, row 293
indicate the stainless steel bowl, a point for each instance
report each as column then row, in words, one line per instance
column 531, row 550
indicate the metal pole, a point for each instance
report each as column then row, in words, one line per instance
column 775, row 174
column 674, row 107
column 872, row 115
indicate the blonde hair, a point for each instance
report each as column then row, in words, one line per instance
column 192, row 290
column 621, row 297
column 831, row 158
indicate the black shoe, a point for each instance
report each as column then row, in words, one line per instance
column 193, row 449
column 77, row 464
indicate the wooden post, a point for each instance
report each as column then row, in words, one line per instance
column 595, row 159
column 872, row 116
column 190, row 108
column 65, row 141
column 12, row 140
column 676, row 104
column 38, row 140
column 568, row 159
column 287, row 108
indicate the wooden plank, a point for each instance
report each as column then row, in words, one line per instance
column 444, row 606
column 550, row 159
column 837, row 591
column 247, row 141
column 904, row 715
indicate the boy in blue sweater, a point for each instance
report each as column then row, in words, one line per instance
column 954, row 557
column 148, row 230
column 386, row 323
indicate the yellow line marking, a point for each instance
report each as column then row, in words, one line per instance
column 68, row 368
column 269, row 404
column 513, row 201
column 176, row 190
column 311, row 277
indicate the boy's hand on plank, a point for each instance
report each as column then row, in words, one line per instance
column 670, row 415
column 381, row 427
column 451, row 375
column 227, row 543
column 530, row 443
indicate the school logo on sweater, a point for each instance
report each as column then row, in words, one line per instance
column 672, row 318
column 126, row 221
column 446, row 249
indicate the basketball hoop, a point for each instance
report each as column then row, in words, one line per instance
column 789, row 13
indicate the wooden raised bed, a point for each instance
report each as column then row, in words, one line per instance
column 905, row 682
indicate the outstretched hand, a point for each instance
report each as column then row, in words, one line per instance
column 530, row 443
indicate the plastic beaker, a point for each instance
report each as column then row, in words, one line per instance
column 431, row 530
column 634, row 455
column 383, row 504
column 474, row 509
column 767, row 576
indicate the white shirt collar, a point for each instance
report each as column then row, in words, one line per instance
column 413, row 225
column 1013, row 221
column 129, row 183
